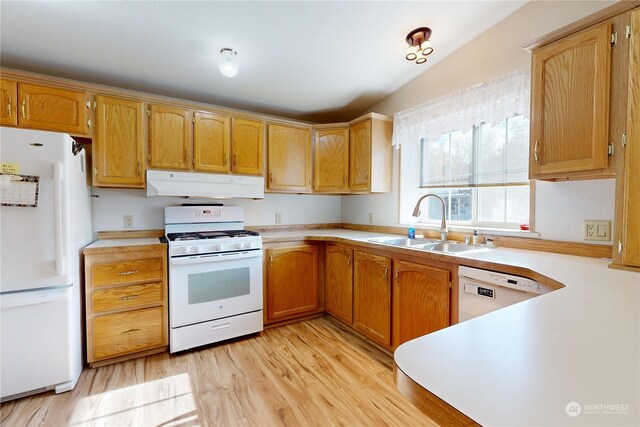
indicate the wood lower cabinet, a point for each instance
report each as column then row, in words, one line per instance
column 292, row 282
column 8, row 100
column 421, row 297
column 289, row 159
column 211, row 142
column 331, row 160
column 570, row 97
column 118, row 146
column 338, row 280
column 372, row 296
column 170, row 138
column 126, row 302
column 370, row 154
column 247, row 146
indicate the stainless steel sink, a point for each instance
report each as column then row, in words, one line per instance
column 399, row 241
column 427, row 244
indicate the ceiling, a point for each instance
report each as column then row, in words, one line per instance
column 319, row 61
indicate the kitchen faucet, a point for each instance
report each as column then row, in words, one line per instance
column 443, row 225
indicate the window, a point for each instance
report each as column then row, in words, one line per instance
column 482, row 174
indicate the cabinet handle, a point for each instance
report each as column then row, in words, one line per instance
column 535, row 152
column 271, row 177
column 126, row 273
column 89, row 123
column 225, row 159
column 349, row 261
column 386, row 270
column 130, row 331
column 397, row 273
column 139, row 169
column 270, row 260
column 235, row 160
column 344, row 179
column 129, row 297
column 9, row 107
column 185, row 156
column 24, row 108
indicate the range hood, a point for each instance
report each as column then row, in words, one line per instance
column 205, row 185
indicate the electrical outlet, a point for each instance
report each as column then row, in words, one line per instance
column 370, row 217
column 278, row 218
column 597, row 230
column 128, row 221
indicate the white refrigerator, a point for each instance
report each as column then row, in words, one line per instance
column 41, row 327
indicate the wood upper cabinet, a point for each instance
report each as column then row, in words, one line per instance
column 331, row 160
column 8, row 101
column 126, row 302
column 247, row 144
column 370, row 155
column 628, row 240
column 338, row 279
column 372, row 296
column 118, row 146
column 420, row 300
column 570, row 104
column 289, row 159
column 211, row 142
column 47, row 108
column 292, row 282
column 169, row 138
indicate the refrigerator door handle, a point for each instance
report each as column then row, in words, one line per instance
column 58, row 216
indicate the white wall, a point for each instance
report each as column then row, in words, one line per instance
column 111, row 205
column 560, row 207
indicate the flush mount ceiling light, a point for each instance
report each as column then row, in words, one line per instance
column 419, row 45
column 228, row 64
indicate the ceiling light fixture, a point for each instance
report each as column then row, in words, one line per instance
column 419, row 45
column 228, row 64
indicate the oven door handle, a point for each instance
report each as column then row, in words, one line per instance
column 202, row 259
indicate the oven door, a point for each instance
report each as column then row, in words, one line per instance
column 207, row 287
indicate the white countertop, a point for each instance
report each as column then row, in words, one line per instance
column 110, row 243
column 522, row 365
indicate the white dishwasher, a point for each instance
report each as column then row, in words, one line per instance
column 483, row 291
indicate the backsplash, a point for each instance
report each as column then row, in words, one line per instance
column 109, row 208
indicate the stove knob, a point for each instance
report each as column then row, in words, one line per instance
column 195, row 249
column 247, row 245
column 183, row 250
column 217, row 247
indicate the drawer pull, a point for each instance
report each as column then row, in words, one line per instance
column 129, row 331
column 129, row 297
column 220, row 326
column 126, row 273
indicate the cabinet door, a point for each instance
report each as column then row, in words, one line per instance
column 211, row 142
column 169, row 138
column 292, row 282
column 118, row 148
column 420, row 301
column 331, row 160
column 338, row 279
column 53, row 109
column 8, row 101
column 289, row 159
column 247, row 142
column 372, row 296
column 631, row 201
column 360, row 157
column 570, row 103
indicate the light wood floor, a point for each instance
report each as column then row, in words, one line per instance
column 312, row 373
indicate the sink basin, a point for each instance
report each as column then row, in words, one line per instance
column 449, row 247
column 399, row 241
column 427, row 244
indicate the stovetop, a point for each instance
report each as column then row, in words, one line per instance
column 218, row 234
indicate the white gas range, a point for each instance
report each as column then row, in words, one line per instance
column 215, row 275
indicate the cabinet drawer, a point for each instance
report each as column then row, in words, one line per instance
column 127, row 272
column 129, row 332
column 126, row 297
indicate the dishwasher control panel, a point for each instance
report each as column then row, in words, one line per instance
column 501, row 279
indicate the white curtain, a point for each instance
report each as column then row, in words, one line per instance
column 490, row 102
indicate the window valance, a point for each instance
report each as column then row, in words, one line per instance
column 490, row 102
